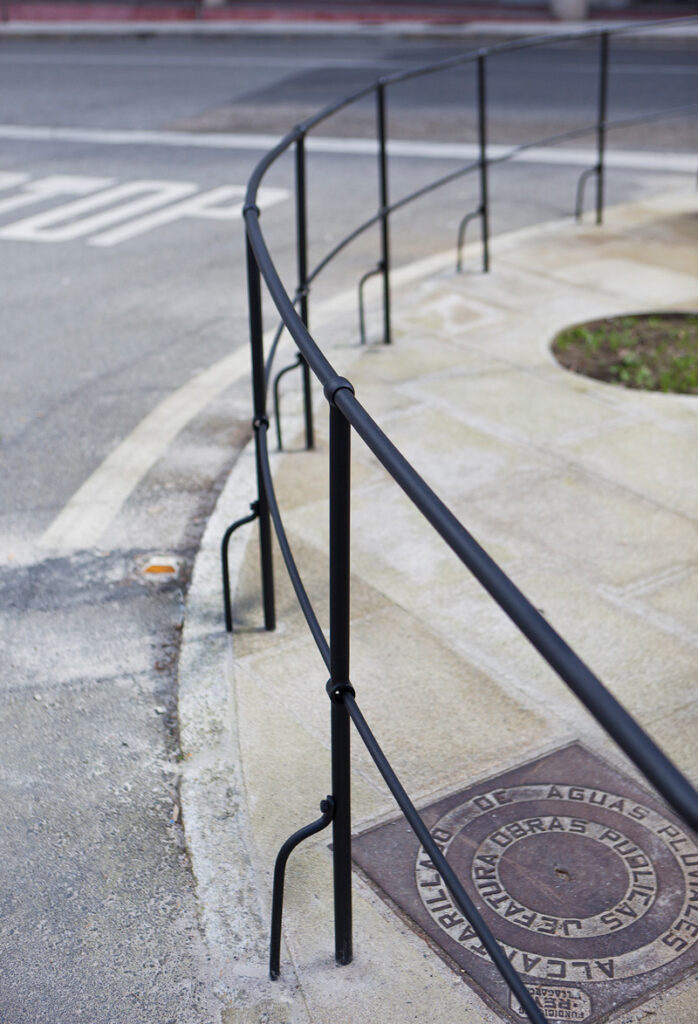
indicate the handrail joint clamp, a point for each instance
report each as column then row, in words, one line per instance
column 336, row 691
column 335, row 384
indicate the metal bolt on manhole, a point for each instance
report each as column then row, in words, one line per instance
column 587, row 881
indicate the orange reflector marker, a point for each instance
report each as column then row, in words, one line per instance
column 161, row 565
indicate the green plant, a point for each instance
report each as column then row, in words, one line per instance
column 656, row 352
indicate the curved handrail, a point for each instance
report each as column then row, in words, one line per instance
column 301, row 130
column 291, row 567
column 549, row 644
column 346, row 412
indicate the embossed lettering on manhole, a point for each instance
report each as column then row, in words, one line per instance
column 590, row 885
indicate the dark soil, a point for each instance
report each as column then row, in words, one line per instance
column 653, row 352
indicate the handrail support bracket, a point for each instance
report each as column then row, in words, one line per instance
column 327, row 807
column 227, row 601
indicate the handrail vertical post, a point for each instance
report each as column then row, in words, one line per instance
column 601, row 125
column 340, row 448
column 302, row 260
column 384, row 214
column 482, row 142
column 254, row 293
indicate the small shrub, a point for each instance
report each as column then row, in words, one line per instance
column 656, row 352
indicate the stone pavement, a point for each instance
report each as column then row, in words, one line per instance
column 587, row 496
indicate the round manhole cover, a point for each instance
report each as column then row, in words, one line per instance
column 588, row 883
column 560, row 865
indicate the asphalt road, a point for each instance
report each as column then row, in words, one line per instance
column 123, row 281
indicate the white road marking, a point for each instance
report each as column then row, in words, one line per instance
column 10, row 179
column 51, row 226
column 89, row 512
column 680, row 163
column 51, row 188
column 684, row 163
column 622, row 159
column 213, row 205
column 136, row 137
column 153, row 206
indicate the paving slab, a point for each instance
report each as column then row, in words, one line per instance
column 585, row 493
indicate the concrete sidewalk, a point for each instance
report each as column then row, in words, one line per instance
column 587, row 496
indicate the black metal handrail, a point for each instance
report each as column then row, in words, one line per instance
column 346, row 413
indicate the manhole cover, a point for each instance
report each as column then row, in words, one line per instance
column 587, row 881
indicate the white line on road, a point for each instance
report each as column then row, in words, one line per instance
column 89, row 512
column 150, row 204
column 135, row 137
column 10, row 179
column 681, row 163
column 213, row 205
column 66, row 222
column 53, row 187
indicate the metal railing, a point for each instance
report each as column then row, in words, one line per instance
column 346, row 415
